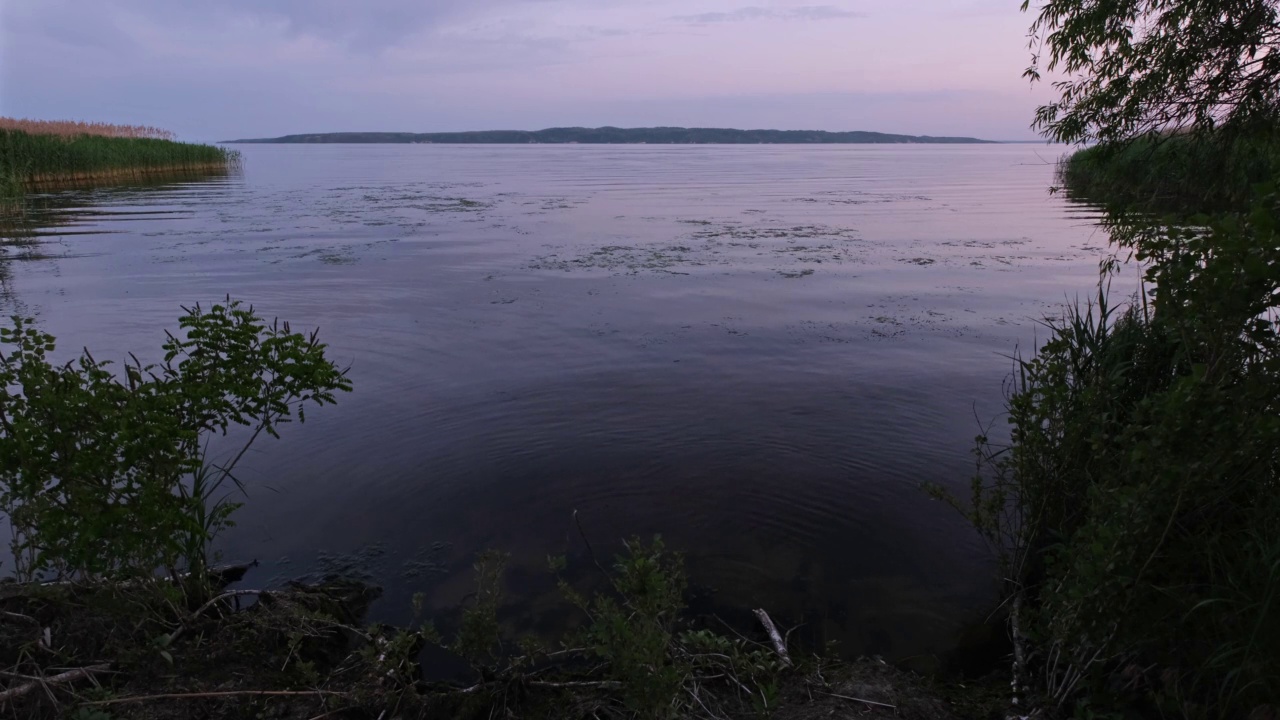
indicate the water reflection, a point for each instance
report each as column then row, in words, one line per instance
column 760, row 353
column 32, row 228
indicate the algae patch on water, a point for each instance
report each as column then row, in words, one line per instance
column 620, row 258
column 727, row 244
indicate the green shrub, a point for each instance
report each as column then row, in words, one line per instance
column 1138, row 505
column 104, row 474
column 633, row 629
column 637, row 655
column 1181, row 174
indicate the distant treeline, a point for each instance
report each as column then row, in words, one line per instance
column 613, row 135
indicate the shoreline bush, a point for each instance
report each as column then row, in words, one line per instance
column 1136, row 508
column 104, row 474
column 1179, row 175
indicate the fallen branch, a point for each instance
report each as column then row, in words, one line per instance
column 779, row 646
column 216, row 694
column 59, row 679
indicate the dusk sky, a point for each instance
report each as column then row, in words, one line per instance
column 220, row 69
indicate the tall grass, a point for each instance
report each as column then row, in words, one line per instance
column 30, row 160
column 75, row 128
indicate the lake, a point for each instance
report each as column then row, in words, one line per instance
column 760, row 352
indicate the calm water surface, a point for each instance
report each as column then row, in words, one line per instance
column 760, row 352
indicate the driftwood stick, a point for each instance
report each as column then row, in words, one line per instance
column 217, row 694
column 779, row 646
column 60, row 678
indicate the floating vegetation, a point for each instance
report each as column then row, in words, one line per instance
column 336, row 258
column 796, row 274
column 737, row 231
column 985, row 244
column 326, row 255
column 428, row 203
column 553, row 203
column 619, row 257
column 854, row 197
column 723, row 243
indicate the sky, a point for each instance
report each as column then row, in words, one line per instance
column 222, row 69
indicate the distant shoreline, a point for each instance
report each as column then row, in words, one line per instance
column 621, row 136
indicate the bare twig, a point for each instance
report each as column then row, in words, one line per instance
column 20, row 616
column 610, row 684
column 740, row 636
column 224, row 596
column 779, row 646
column 590, row 550
column 216, row 694
column 331, row 713
column 229, row 594
column 693, row 692
column 60, row 678
column 854, row 699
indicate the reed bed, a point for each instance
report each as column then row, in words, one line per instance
column 35, row 160
column 74, row 128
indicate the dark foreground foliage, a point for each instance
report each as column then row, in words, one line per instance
column 112, row 609
column 302, row 652
column 1138, row 505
